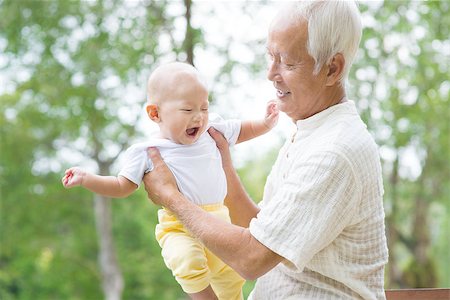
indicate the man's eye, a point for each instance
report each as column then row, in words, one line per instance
column 204, row 109
column 288, row 66
column 186, row 109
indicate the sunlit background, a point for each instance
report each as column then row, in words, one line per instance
column 72, row 92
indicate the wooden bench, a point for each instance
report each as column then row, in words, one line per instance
column 418, row 294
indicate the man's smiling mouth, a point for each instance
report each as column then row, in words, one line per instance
column 280, row 93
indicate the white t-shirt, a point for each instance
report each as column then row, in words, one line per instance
column 322, row 210
column 197, row 167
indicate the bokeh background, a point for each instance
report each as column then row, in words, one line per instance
column 72, row 91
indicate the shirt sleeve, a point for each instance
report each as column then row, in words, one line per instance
column 229, row 128
column 315, row 202
column 136, row 164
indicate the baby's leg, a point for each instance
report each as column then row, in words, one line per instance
column 206, row 294
column 226, row 282
column 185, row 256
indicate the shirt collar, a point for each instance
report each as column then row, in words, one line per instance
column 308, row 125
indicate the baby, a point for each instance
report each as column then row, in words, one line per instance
column 178, row 103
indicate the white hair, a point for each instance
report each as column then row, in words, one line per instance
column 333, row 27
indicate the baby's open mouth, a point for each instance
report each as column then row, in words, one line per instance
column 192, row 131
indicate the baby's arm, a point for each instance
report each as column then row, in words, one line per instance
column 110, row 186
column 252, row 129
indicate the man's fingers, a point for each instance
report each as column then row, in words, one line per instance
column 154, row 155
column 216, row 135
column 213, row 133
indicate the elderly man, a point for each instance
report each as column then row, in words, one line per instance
column 319, row 232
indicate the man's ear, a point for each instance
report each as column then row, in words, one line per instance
column 335, row 69
column 152, row 112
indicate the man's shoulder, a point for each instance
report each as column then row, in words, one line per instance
column 349, row 136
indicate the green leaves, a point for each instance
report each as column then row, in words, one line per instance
column 73, row 77
column 408, row 112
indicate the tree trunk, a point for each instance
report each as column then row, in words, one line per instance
column 112, row 280
column 421, row 230
column 188, row 44
column 421, row 272
column 394, row 273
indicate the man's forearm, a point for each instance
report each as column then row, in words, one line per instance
column 231, row 243
column 241, row 206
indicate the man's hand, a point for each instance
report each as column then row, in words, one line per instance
column 223, row 147
column 159, row 183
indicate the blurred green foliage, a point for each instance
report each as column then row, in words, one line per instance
column 70, row 67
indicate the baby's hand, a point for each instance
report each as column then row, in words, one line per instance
column 272, row 112
column 73, row 177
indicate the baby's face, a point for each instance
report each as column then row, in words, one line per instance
column 184, row 113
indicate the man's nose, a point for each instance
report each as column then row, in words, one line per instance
column 272, row 71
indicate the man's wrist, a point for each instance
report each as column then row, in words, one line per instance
column 172, row 200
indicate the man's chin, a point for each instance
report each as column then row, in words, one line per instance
column 282, row 105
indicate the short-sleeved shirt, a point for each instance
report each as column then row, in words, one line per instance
column 197, row 167
column 322, row 211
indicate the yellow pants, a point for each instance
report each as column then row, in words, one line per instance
column 192, row 264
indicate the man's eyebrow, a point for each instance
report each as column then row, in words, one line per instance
column 282, row 54
column 271, row 51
